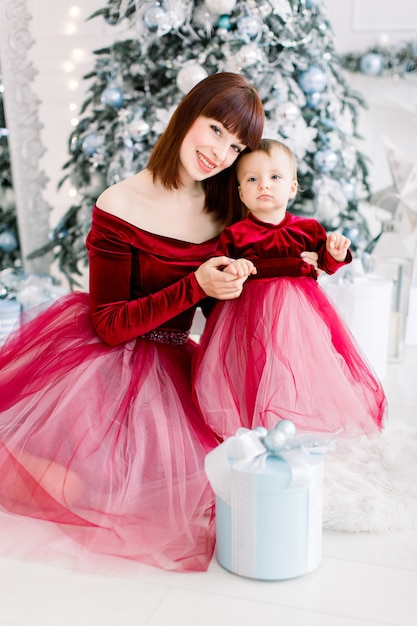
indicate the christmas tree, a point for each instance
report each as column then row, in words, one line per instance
column 284, row 47
column 10, row 255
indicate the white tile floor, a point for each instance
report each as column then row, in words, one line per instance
column 364, row 579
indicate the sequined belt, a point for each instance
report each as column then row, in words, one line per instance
column 167, row 336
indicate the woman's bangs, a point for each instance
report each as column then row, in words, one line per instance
column 240, row 117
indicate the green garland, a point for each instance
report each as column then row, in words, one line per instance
column 396, row 60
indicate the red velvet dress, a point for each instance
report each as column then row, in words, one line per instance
column 281, row 350
column 99, row 432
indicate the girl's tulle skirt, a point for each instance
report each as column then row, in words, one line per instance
column 105, row 442
column 282, row 351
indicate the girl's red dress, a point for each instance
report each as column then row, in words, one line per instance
column 281, row 350
column 99, row 434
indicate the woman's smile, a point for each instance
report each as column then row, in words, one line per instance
column 209, row 165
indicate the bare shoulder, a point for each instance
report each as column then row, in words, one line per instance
column 122, row 198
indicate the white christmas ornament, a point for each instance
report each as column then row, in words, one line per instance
column 189, row 76
column 220, row 7
column 138, row 127
column 177, row 11
column 288, row 111
column 325, row 160
column 249, row 55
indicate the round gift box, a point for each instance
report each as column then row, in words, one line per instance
column 272, row 529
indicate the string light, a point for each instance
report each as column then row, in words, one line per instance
column 79, row 55
column 72, row 84
column 74, row 11
column 68, row 67
column 70, row 28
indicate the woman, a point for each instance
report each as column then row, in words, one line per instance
column 99, row 433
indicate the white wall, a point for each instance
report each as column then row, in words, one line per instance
column 358, row 24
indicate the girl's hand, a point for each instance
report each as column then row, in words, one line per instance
column 241, row 268
column 313, row 259
column 218, row 284
column 337, row 246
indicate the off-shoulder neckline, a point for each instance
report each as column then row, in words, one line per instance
column 150, row 233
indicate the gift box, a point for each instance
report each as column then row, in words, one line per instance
column 269, row 505
column 365, row 305
column 21, row 293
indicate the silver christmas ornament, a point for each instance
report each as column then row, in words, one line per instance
column 288, row 111
column 157, row 19
column 249, row 27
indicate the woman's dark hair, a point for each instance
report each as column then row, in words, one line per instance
column 229, row 99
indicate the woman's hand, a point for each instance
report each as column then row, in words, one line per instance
column 218, row 284
column 312, row 259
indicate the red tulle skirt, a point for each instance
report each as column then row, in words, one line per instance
column 281, row 351
column 105, row 442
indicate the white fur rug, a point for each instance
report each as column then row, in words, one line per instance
column 370, row 485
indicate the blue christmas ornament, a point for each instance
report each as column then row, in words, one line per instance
column 325, row 160
column 312, row 4
column 353, row 233
column 225, row 22
column 371, row 64
column 8, row 241
column 112, row 19
column 62, row 234
column 112, row 96
column 91, row 143
column 312, row 80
